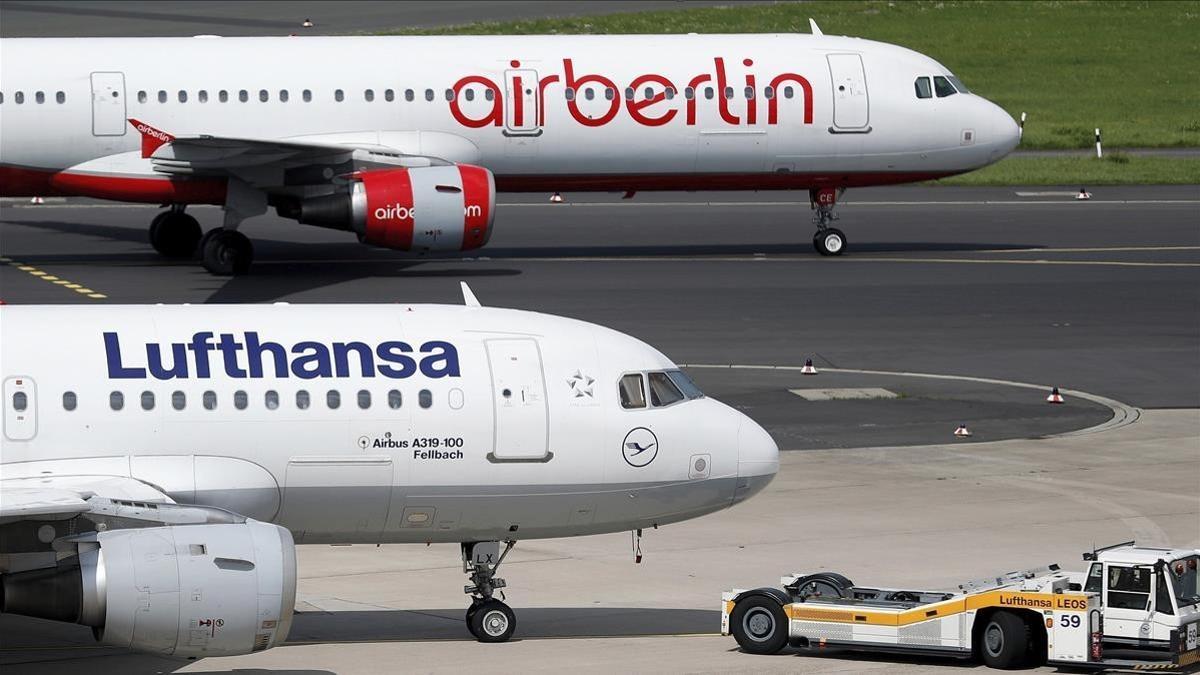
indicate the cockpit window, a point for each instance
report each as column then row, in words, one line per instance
column 632, row 393
column 923, row 88
column 943, row 87
column 685, row 384
column 962, row 88
column 663, row 391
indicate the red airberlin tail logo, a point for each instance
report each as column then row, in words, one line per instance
column 594, row 99
column 152, row 139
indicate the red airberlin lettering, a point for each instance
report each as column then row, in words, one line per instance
column 654, row 110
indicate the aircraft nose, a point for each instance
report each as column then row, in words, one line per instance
column 1005, row 132
column 758, row 460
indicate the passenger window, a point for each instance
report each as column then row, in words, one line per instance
column 449, row 94
column 271, row 400
column 629, row 93
column 568, row 93
column 663, row 392
column 424, row 398
column 589, row 94
column 284, row 96
column 240, row 400
column 728, row 92
column 394, row 399
column 182, row 96
column 632, row 395
column 409, row 95
column 202, row 96
column 40, row 97
column 648, row 92
column 789, row 92
column 428, row 94
column 306, row 95
column 1, row 97
column 162, row 96
column 147, row 400
column 923, row 88
column 489, row 95
column 364, row 399
column 708, row 93
column 670, row 92
column 609, row 94
column 116, row 400
column 243, row 95
column 209, row 400
column 749, row 92
column 1128, row 587
column 302, row 400
column 178, row 400
column 768, row 92
column 60, row 97
column 943, row 87
column 223, row 96
column 689, row 93
column 69, row 400
column 338, row 95
column 389, row 95
column 369, row 95
column 20, row 401
column 1095, row 578
column 333, row 399
column 263, row 95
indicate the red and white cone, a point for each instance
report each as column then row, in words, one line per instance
column 809, row 368
column 555, row 198
column 307, row 23
column 1054, row 396
column 37, row 200
column 1083, row 194
column 962, row 431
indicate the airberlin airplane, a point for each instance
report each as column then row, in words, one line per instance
column 406, row 140
column 160, row 462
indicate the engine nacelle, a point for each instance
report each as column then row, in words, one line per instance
column 185, row 590
column 431, row 208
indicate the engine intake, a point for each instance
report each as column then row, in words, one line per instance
column 185, row 590
column 434, row 208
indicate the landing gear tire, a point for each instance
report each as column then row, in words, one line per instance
column 491, row 621
column 829, row 241
column 1006, row 641
column 759, row 625
column 227, row 253
column 174, row 234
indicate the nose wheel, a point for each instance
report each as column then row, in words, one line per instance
column 829, row 241
column 488, row 619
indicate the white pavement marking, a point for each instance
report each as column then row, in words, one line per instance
column 1123, row 414
column 843, row 394
column 1049, row 193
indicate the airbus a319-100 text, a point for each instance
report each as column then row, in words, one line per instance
column 161, row 462
column 406, row 140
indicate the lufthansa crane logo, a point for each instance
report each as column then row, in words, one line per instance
column 640, row 447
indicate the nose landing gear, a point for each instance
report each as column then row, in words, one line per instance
column 488, row 619
column 827, row 240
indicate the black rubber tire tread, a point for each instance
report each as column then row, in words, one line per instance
column 482, row 610
column 838, row 582
column 1017, row 643
column 175, row 235
column 777, row 640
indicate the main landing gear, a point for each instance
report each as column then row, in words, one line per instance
column 223, row 251
column 827, row 240
column 488, row 619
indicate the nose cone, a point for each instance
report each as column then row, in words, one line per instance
column 758, row 460
column 1004, row 132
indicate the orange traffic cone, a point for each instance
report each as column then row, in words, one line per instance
column 808, row 368
column 555, row 198
column 1083, row 194
column 1054, row 396
column 962, row 431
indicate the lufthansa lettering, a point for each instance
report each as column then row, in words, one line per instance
column 249, row 356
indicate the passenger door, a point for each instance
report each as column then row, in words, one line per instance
column 851, row 103
column 108, row 104
column 521, row 113
column 519, row 399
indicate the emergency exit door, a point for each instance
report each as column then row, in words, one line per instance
column 851, row 104
column 108, row 104
column 20, row 409
column 519, row 401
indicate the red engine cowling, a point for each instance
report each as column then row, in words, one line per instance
column 432, row 208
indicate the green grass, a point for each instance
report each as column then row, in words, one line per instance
column 1130, row 68
column 1114, row 169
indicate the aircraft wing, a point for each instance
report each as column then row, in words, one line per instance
column 59, row 497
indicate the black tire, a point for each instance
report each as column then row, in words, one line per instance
column 759, row 625
column 830, row 241
column 1005, row 642
column 470, row 615
column 828, row 584
column 228, row 253
column 175, row 234
column 492, row 621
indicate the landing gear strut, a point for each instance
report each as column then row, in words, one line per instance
column 174, row 233
column 827, row 240
column 488, row 619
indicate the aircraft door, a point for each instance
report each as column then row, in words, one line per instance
column 108, row 104
column 519, row 399
column 521, row 105
column 20, row 409
column 851, row 104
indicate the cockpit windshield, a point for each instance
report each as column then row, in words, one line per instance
column 962, row 88
column 1185, row 581
column 942, row 87
column 685, row 384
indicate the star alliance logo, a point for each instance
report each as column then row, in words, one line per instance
column 581, row 385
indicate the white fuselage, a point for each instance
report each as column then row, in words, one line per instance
column 357, row 423
column 768, row 111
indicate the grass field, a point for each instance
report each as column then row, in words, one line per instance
column 1114, row 169
column 1130, row 68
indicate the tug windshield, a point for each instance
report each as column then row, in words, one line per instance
column 1185, row 581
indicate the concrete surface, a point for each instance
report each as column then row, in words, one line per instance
column 928, row 517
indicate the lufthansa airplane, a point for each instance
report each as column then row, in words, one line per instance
column 404, row 141
column 160, row 462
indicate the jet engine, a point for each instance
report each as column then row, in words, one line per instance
column 432, row 208
column 182, row 590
